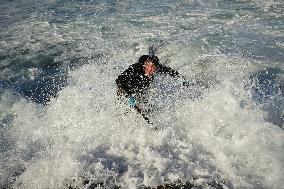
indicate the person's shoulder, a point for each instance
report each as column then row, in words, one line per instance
column 162, row 67
column 132, row 69
column 136, row 66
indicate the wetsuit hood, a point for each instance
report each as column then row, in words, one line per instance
column 153, row 58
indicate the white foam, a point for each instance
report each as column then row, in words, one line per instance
column 85, row 132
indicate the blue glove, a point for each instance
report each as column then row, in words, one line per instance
column 132, row 101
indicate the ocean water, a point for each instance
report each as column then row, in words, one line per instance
column 61, row 125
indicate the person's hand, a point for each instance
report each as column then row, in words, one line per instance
column 187, row 83
column 132, row 101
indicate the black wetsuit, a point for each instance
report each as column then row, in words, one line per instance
column 134, row 81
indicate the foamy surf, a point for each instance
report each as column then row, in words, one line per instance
column 81, row 138
column 62, row 125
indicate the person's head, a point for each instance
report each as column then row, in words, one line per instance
column 150, row 64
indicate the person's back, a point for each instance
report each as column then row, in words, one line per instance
column 133, row 80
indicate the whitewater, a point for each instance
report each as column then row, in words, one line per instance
column 62, row 125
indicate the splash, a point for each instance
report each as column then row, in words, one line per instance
column 84, row 137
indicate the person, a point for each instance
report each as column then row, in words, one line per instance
column 138, row 77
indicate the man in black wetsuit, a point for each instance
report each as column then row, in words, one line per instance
column 137, row 78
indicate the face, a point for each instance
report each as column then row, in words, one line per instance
column 149, row 68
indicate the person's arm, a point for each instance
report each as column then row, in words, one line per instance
column 168, row 70
column 173, row 73
column 121, row 85
column 122, row 81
